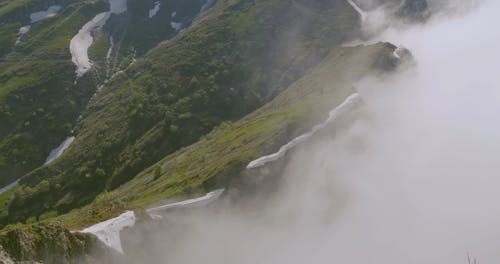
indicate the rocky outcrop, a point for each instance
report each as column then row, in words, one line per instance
column 49, row 243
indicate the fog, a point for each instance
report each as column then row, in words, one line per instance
column 414, row 178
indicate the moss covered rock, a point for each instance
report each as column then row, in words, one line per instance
column 48, row 243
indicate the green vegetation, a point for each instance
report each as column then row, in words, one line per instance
column 230, row 62
column 179, row 118
column 38, row 100
column 49, row 243
column 219, row 157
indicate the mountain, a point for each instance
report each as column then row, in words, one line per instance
column 219, row 159
column 41, row 94
column 174, row 94
column 160, row 99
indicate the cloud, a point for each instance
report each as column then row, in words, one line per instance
column 413, row 179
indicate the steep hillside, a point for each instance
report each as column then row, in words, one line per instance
column 156, row 100
column 41, row 96
column 50, row 243
column 218, row 159
column 232, row 60
column 38, row 100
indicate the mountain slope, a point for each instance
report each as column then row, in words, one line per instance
column 219, row 159
column 40, row 95
column 37, row 105
column 221, row 68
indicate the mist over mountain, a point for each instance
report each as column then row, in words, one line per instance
column 237, row 131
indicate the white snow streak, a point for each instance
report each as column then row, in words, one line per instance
column 109, row 58
column 347, row 105
column 110, row 50
column 153, row 11
column 196, row 202
column 8, row 187
column 22, row 31
column 55, row 153
column 109, row 230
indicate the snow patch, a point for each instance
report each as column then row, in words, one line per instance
column 346, row 106
column 361, row 13
column 50, row 12
column 396, row 53
column 22, row 31
column 173, row 14
column 8, row 187
column 81, row 42
column 57, row 152
column 35, row 17
column 176, row 26
column 109, row 231
column 153, row 11
column 155, row 212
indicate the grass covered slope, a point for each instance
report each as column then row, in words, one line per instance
column 222, row 155
column 214, row 161
column 232, row 60
column 50, row 243
column 39, row 99
column 39, row 102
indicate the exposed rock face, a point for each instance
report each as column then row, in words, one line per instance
column 399, row 58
